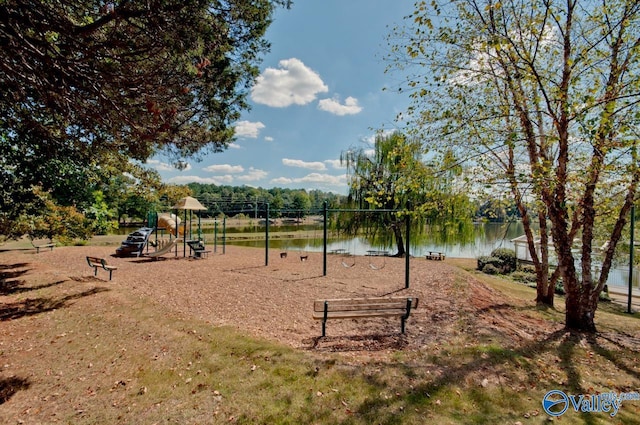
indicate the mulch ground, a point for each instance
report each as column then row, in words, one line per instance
column 275, row 301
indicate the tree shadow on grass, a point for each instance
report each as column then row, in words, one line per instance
column 10, row 386
column 31, row 307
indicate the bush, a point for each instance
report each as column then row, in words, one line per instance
column 484, row 260
column 509, row 261
column 524, row 276
column 490, row 269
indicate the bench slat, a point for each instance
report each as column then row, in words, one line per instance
column 364, row 303
column 363, row 313
column 353, row 308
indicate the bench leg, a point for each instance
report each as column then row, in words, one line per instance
column 324, row 319
column 110, row 271
column 95, row 271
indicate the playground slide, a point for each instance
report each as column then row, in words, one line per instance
column 165, row 249
column 170, row 222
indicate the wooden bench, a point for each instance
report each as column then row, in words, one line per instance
column 96, row 262
column 39, row 246
column 353, row 308
column 439, row 256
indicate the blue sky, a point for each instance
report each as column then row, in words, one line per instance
column 319, row 93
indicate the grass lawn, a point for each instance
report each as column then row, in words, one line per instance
column 66, row 357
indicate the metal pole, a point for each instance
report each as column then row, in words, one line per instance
column 324, row 239
column 224, row 235
column 406, row 254
column 215, row 236
column 631, row 249
column 266, row 240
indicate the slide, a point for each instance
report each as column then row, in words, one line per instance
column 171, row 222
column 168, row 247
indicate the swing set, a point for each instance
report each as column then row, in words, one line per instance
column 374, row 265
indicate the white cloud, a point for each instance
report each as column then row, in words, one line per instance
column 163, row 166
column 224, row 168
column 234, row 146
column 253, row 175
column 334, row 163
column 282, row 180
column 293, row 83
column 248, row 129
column 325, row 179
column 198, row 179
column 319, row 166
column 371, row 139
column 268, row 139
column 350, row 106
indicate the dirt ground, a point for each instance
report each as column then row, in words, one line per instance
column 276, row 301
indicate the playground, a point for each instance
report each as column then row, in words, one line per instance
column 205, row 341
column 275, row 301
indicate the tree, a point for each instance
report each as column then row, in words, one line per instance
column 131, row 77
column 394, row 176
column 89, row 83
column 542, row 97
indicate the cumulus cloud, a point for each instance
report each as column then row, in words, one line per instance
column 371, row 139
column 292, row 83
column 282, row 180
column 268, row 139
column 334, row 163
column 350, row 106
column 248, row 129
column 316, row 165
column 224, row 168
column 198, row 179
column 324, row 179
column 253, row 175
column 163, row 166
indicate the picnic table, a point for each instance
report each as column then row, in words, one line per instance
column 377, row 253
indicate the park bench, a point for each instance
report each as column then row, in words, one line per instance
column 97, row 262
column 435, row 256
column 198, row 248
column 38, row 246
column 354, row 308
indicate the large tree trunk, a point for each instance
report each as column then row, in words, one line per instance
column 581, row 310
column 397, row 232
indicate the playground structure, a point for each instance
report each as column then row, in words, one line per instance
column 135, row 243
column 177, row 229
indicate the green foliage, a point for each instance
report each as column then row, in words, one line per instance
column 508, row 258
column 543, row 109
column 102, row 218
column 501, row 261
column 64, row 223
column 491, row 269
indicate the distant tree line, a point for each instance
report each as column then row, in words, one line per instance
column 251, row 201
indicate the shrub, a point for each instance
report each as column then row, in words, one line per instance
column 508, row 258
column 484, row 260
column 490, row 269
column 524, row 276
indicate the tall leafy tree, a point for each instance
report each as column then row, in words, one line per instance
column 84, row 82
column 394, row 179
column 541, row 96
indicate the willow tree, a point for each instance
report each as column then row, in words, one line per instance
column 541, row 96
column 393, row 180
